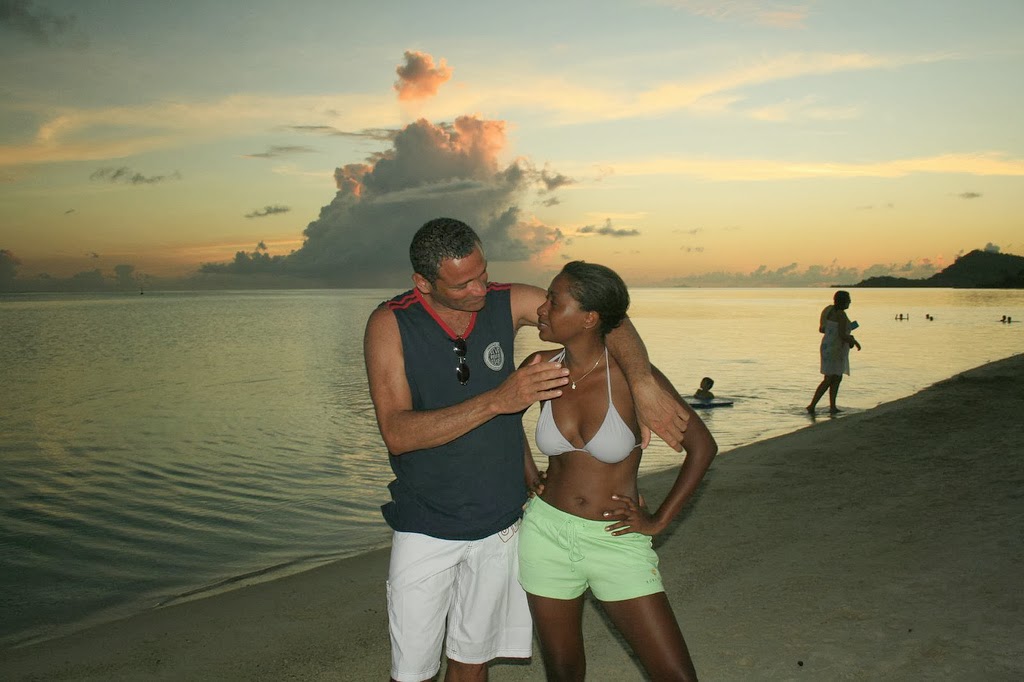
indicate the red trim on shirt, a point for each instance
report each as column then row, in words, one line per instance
column 414, row 297
column 404, row 302
column 437, row 318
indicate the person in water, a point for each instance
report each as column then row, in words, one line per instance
column 589, row 527
column 704, row 392
column 836, row 342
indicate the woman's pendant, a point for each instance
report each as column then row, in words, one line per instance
column 573, row 385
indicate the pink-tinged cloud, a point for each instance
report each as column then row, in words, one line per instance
column 425, row 153
column 543, row 240
column 349, row 178
column 447, row 169
column 419, row 78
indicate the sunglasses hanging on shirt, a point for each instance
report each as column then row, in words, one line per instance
column 462, row 370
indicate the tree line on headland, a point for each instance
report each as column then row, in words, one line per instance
column 975, row 270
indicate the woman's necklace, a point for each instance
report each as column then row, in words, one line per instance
column 572, row 382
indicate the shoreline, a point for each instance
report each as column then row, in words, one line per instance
column 881, row 545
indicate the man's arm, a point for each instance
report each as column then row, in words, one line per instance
column 535, row 478
column 631, row 516
column 525, row 300
column 405, row 429
column 656, row 408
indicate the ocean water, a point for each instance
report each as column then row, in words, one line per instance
column 165, row 447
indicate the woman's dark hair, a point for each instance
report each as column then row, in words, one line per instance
column 439, row 240
column 841, row 297
column 598, row 288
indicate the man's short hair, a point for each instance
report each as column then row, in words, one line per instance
column 439, row 240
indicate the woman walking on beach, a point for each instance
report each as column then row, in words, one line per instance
column 589, row 527
column 835, row 349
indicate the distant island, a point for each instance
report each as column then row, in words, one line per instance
column 975, row 270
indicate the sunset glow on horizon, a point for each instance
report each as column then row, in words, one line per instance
column 678, row 141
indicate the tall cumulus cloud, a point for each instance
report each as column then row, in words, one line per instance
column 447, row 169
column 427, row 170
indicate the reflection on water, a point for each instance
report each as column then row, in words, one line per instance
column 157, row 447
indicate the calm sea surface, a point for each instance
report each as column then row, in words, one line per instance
column 162, row 447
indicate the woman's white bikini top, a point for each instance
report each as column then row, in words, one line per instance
column 612, row 443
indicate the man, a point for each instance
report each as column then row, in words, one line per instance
column 439, row 359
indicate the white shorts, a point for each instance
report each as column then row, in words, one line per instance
column 473, row 584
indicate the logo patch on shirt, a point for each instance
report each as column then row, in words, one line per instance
column 494, row 356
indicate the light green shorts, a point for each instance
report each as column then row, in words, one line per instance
column 560, row 555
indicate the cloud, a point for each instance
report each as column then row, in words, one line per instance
column 970, row 195
column 553, row 181
column 349, row 178
column 38, row 24
column 991, row 248
column 805, row 108
column 268, row 210
column 287, row 150
column 379, row 134
column 324, row 129
column 131, row 130
column 126, row 175
column 607, row 230
column 718, row 92
column 418, row 78
column 986, row 163
column 792, row 275
column 361, row 237
column 692, row 249
column 776, row 14
column 919, row 269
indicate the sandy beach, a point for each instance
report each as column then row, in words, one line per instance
column 881, row 545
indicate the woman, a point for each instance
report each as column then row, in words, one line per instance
column 589, row 527
column 835, row 349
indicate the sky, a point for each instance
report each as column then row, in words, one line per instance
column 688, row 142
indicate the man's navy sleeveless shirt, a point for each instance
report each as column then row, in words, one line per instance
column 473, row 486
